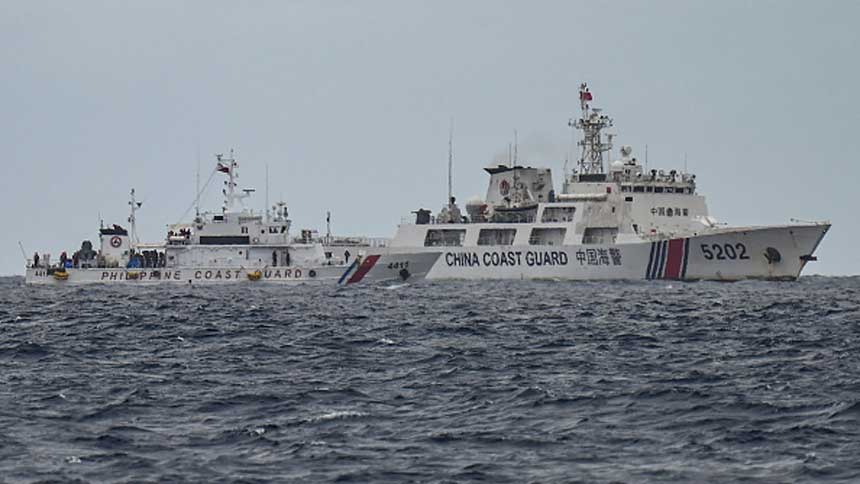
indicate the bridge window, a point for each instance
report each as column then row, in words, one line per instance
column 558, row 214
column 638, row 188
column 600, row 235
column 547, row 236
column 445, row 238
column 649, row 189
column 658, row 189
column 497, row 236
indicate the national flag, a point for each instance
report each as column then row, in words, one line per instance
column 585, row 96
column 223, row 168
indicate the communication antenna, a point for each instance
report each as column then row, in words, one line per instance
column 197, row 197
column 267, row 192
column 23, row 252
column 646, row 157
column 510, row 159
column 328, row 225
column 450, row 158
column 516, row 147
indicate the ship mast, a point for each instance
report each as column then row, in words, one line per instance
column 230, row 167
column 593, row 145
column 132, row 219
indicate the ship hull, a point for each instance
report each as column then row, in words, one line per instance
column 772, row 253
column 373, row 267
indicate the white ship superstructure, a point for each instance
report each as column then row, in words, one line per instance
column 234, row 244
column 622, row 223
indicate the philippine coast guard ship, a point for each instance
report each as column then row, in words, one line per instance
column 624, row 223
column 232, row 245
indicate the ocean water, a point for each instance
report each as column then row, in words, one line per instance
column 432, row 382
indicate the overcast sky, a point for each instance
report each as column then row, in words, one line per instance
column 348, row 103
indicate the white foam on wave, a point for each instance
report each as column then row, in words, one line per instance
column 338, row 415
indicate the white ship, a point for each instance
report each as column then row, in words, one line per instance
column 233, row 245
column 622, row 223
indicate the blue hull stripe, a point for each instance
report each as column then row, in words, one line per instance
column 650, row 261
column 686, row 258
column 348, row 270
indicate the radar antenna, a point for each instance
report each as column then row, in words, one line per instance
column 591, row 123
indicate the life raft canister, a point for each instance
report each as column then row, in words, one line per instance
column 255, row 276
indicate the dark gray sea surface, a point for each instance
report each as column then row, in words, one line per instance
column 432, row 382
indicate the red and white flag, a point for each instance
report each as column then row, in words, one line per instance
column 585, row 96
column 223, row 168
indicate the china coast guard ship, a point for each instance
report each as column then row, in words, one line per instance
column 234, row 245
column 622, row 223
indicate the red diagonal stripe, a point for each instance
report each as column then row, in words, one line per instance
column 363, row 269
column 674, row 259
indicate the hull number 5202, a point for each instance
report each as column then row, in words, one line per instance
column 725, row 251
